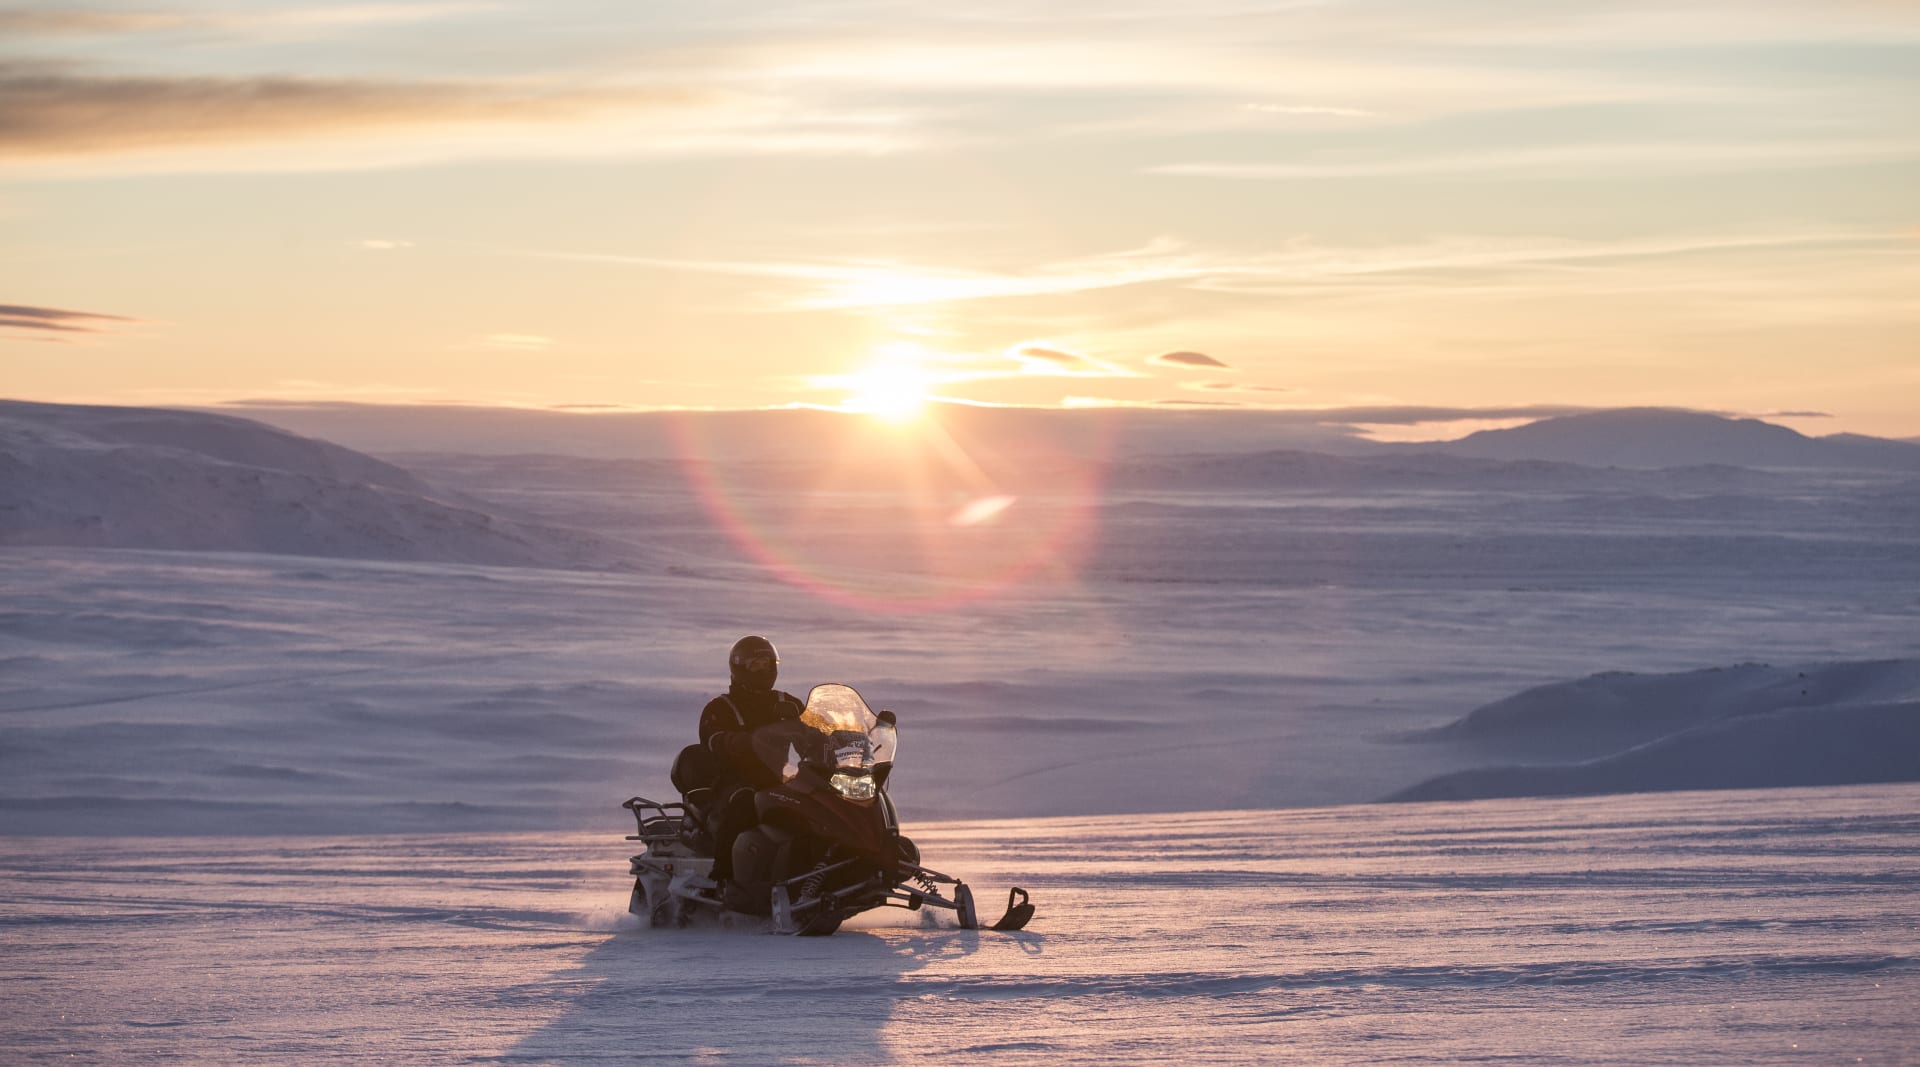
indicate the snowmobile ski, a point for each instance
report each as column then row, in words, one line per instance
column 1019, row 910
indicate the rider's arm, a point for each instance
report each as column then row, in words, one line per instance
column 711, row 723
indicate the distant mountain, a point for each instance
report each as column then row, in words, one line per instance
column 221, row 437
column 1744, row 727
column 1419, row 470
column 1661, row 437
column 801, row 435
column 110, row 477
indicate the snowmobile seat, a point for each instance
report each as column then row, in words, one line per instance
column 695, row 768
column 695, row 773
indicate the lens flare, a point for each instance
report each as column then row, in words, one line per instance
column 949, row 509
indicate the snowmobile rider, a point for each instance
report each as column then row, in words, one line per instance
column 726, row 729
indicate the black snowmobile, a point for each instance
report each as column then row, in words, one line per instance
column 827, row 846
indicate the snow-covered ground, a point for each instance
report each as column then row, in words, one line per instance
column 1095, row 658
column 1248, row 649
column 166, row 693
column 1680, row 928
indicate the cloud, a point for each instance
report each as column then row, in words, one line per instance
column 835, row 286
column 21, row 322
column 1234, row 387
column 1188, row 359
column 1410, row 414
column 514, row 342
column 95, row 22
column 1309, row 110
column 1598, row 159
column 1048, row 359
column 50, row 112
column 1042, row 359
column 50, row 22
column 1291, row 268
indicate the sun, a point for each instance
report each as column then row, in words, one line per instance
column 894, row 391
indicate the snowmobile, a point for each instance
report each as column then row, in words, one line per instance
column 827, row 845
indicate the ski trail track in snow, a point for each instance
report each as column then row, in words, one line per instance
column 1730, row 927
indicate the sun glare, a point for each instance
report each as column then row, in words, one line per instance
column 893, row 391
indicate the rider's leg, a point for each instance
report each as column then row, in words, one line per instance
column 736, row 815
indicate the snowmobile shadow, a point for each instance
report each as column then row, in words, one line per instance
column 736, row 994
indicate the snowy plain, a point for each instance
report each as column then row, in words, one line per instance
column 1726, row 927
column 268, row 807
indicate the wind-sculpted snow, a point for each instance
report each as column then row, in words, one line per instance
column 138, row 478
column 1736, row 728
column 1752, row 928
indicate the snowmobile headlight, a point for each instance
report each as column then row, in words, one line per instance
column 853, row 786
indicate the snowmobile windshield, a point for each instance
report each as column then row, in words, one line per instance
column 856, row 738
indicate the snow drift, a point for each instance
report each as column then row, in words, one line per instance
column 1748, row 726
column 109, row 477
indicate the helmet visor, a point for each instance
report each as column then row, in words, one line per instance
column 756, row 663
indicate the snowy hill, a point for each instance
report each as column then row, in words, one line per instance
column 105, row 477
column 1422, row 470
column 1658, row 437
column 221, row 437
column 1748, row 726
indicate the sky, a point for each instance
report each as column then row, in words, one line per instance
column 1458, row 205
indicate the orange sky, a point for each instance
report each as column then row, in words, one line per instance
column 1457, row 204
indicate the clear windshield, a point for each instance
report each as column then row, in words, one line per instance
column 855, row 738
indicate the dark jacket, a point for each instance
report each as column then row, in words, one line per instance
column 727, row 724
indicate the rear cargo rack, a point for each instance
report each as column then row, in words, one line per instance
column 656, row 823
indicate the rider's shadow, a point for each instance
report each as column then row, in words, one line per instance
column 736, row 995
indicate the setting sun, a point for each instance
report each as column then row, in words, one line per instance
column 894, row 391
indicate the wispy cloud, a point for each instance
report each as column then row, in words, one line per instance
column 1310, row 110
column 56, row 22
column 26, row 323
column 1295, row 266
column 1588, row 160
column 91, row 22
column 1234, row 387
column 827, row 285
column 1039, row 358
column 1414, row 415
column 48, row 112
column 1187, row 359
column 513, row 342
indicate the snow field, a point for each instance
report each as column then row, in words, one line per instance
column 1748, row 927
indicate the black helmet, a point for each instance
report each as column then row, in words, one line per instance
column 753, row 664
